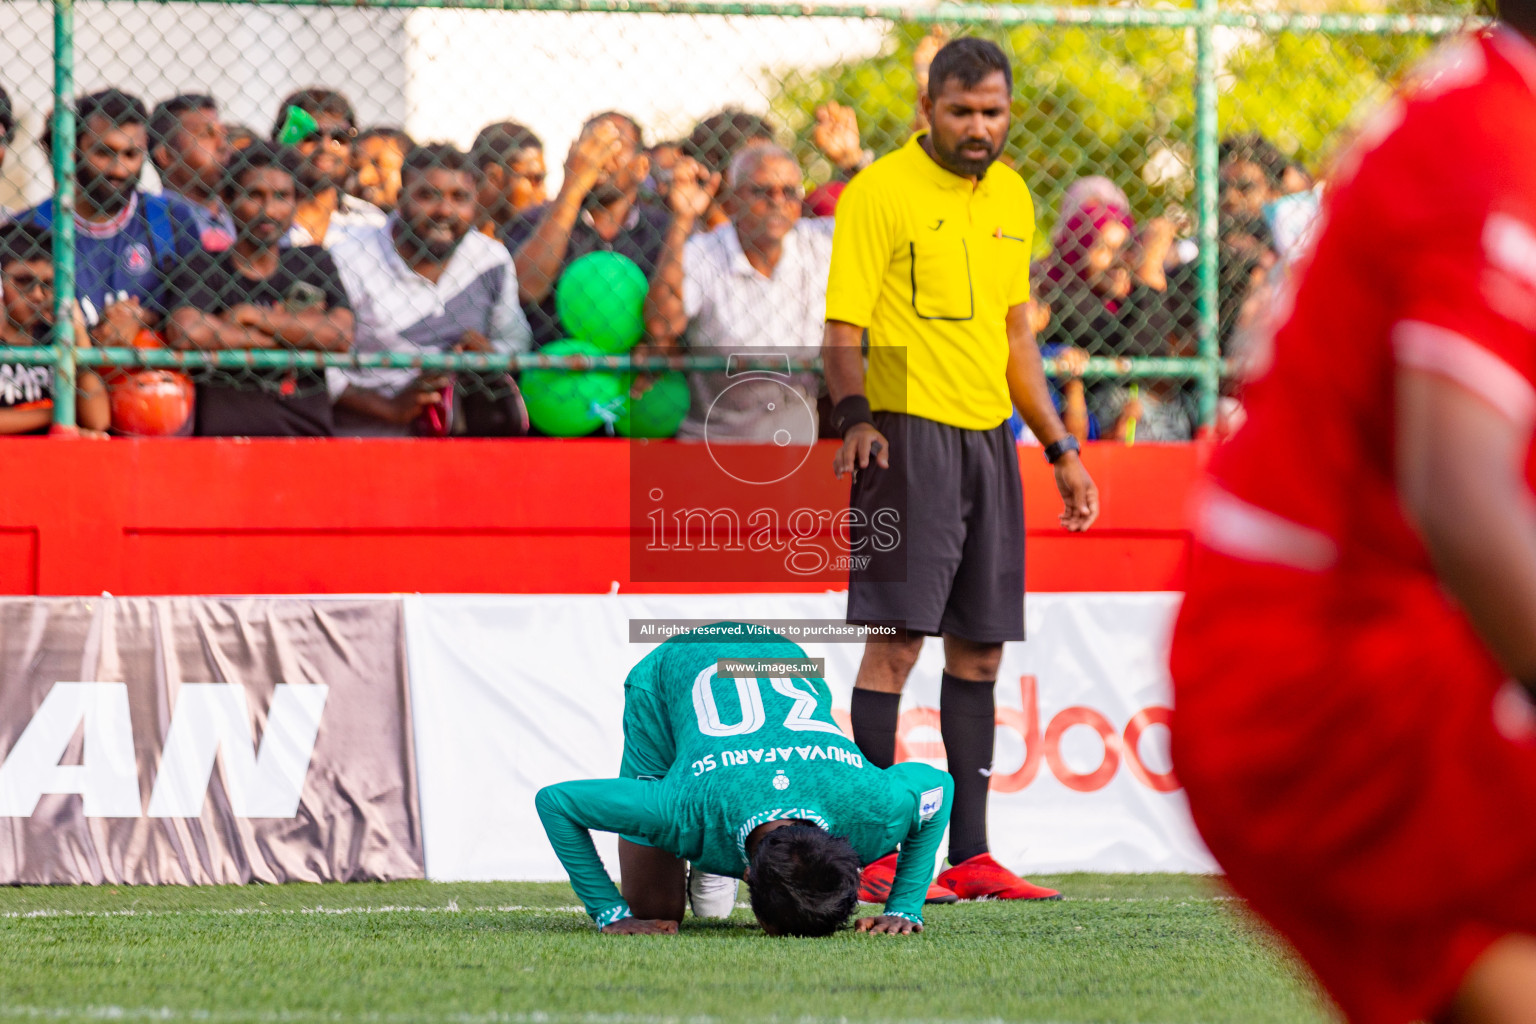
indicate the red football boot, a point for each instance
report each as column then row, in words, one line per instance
column 875, row 884
column 982, row 878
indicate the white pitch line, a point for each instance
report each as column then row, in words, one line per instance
column 204, row 1016
column 452, row 908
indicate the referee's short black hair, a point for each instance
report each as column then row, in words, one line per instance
column 971, row 59
column 803, row 881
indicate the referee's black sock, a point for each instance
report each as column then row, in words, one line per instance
column 874, row 725
column 967, row 721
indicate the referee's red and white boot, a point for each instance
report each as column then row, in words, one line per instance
column 875, row 884
column 982, row 878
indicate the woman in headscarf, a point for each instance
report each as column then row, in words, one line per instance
column 1108, row 295
column 1105, row 287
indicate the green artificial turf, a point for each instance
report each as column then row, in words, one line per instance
column 1119, row 948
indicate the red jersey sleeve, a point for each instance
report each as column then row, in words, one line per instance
column 1467, row 298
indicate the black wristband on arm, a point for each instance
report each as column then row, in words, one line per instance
column 849, row 413
column 1056, row 449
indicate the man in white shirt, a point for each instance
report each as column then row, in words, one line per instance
column 756, row 285
column 423, row 282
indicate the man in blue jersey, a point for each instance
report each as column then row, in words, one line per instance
column 122, row 234
column 745, row 776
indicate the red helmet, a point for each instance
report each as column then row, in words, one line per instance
column 151, row 403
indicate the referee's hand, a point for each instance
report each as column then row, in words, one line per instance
column 1079, row 494
column 861, row 444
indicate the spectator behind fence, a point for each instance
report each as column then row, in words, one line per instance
column 718, row 138
column 509, row 160
column 122, row 235
column 757, row 282
column 1252, row 174
column 7, row 135
column 322, row 126
column 259, row 294
column 190, row 146
column 658, row 183
column 1156, row 409
column 240, row 136
column 1106, row 293
column 425, row 281
column 26, row 286
column 595, row 210
column 376, row 161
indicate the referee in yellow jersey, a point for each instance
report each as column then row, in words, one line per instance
column 931, row 254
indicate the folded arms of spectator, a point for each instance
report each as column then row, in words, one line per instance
column 247, row 326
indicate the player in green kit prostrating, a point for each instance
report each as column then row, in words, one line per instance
column 749, row 778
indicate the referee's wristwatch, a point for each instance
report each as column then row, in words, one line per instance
column 1056, row 449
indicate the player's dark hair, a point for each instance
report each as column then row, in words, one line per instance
column 25, row 243
column 971, row 60
column 258, row 156
column 1255, row 148
column 314, row 102
column 804, row 881
column 434, row 156
column 114, row 106
column 500, row 143
column 165, row 121
column 718, row 137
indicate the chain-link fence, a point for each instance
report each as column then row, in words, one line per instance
column 313, row 218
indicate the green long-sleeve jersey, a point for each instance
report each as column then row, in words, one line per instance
column 712, row 758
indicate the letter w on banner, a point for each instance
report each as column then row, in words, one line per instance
column 228, row 740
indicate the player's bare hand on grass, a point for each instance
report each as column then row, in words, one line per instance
column 862, row 444
column 1079, row 495
column 640, row 926
column 887, row 925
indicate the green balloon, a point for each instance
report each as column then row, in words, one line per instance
column 572, row 403
column 659, row 411
column 601, row 299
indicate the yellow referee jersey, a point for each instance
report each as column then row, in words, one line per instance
column 931, row 265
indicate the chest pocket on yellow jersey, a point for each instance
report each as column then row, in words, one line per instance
column 942, row 288
column 1008, row 258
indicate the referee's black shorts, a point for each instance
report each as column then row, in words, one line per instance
column 956, row 566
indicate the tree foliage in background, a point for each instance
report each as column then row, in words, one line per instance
column 1120, row 102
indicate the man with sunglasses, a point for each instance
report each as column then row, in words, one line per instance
column 325, row 209
column 756, row 283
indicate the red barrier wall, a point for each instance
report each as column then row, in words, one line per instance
column 525, row 516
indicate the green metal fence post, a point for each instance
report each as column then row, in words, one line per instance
column 63, row 214
column 1206, row 172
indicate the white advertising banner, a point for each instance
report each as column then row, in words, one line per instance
column 512, row 693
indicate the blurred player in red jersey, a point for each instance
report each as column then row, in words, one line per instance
column 1354, row 662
